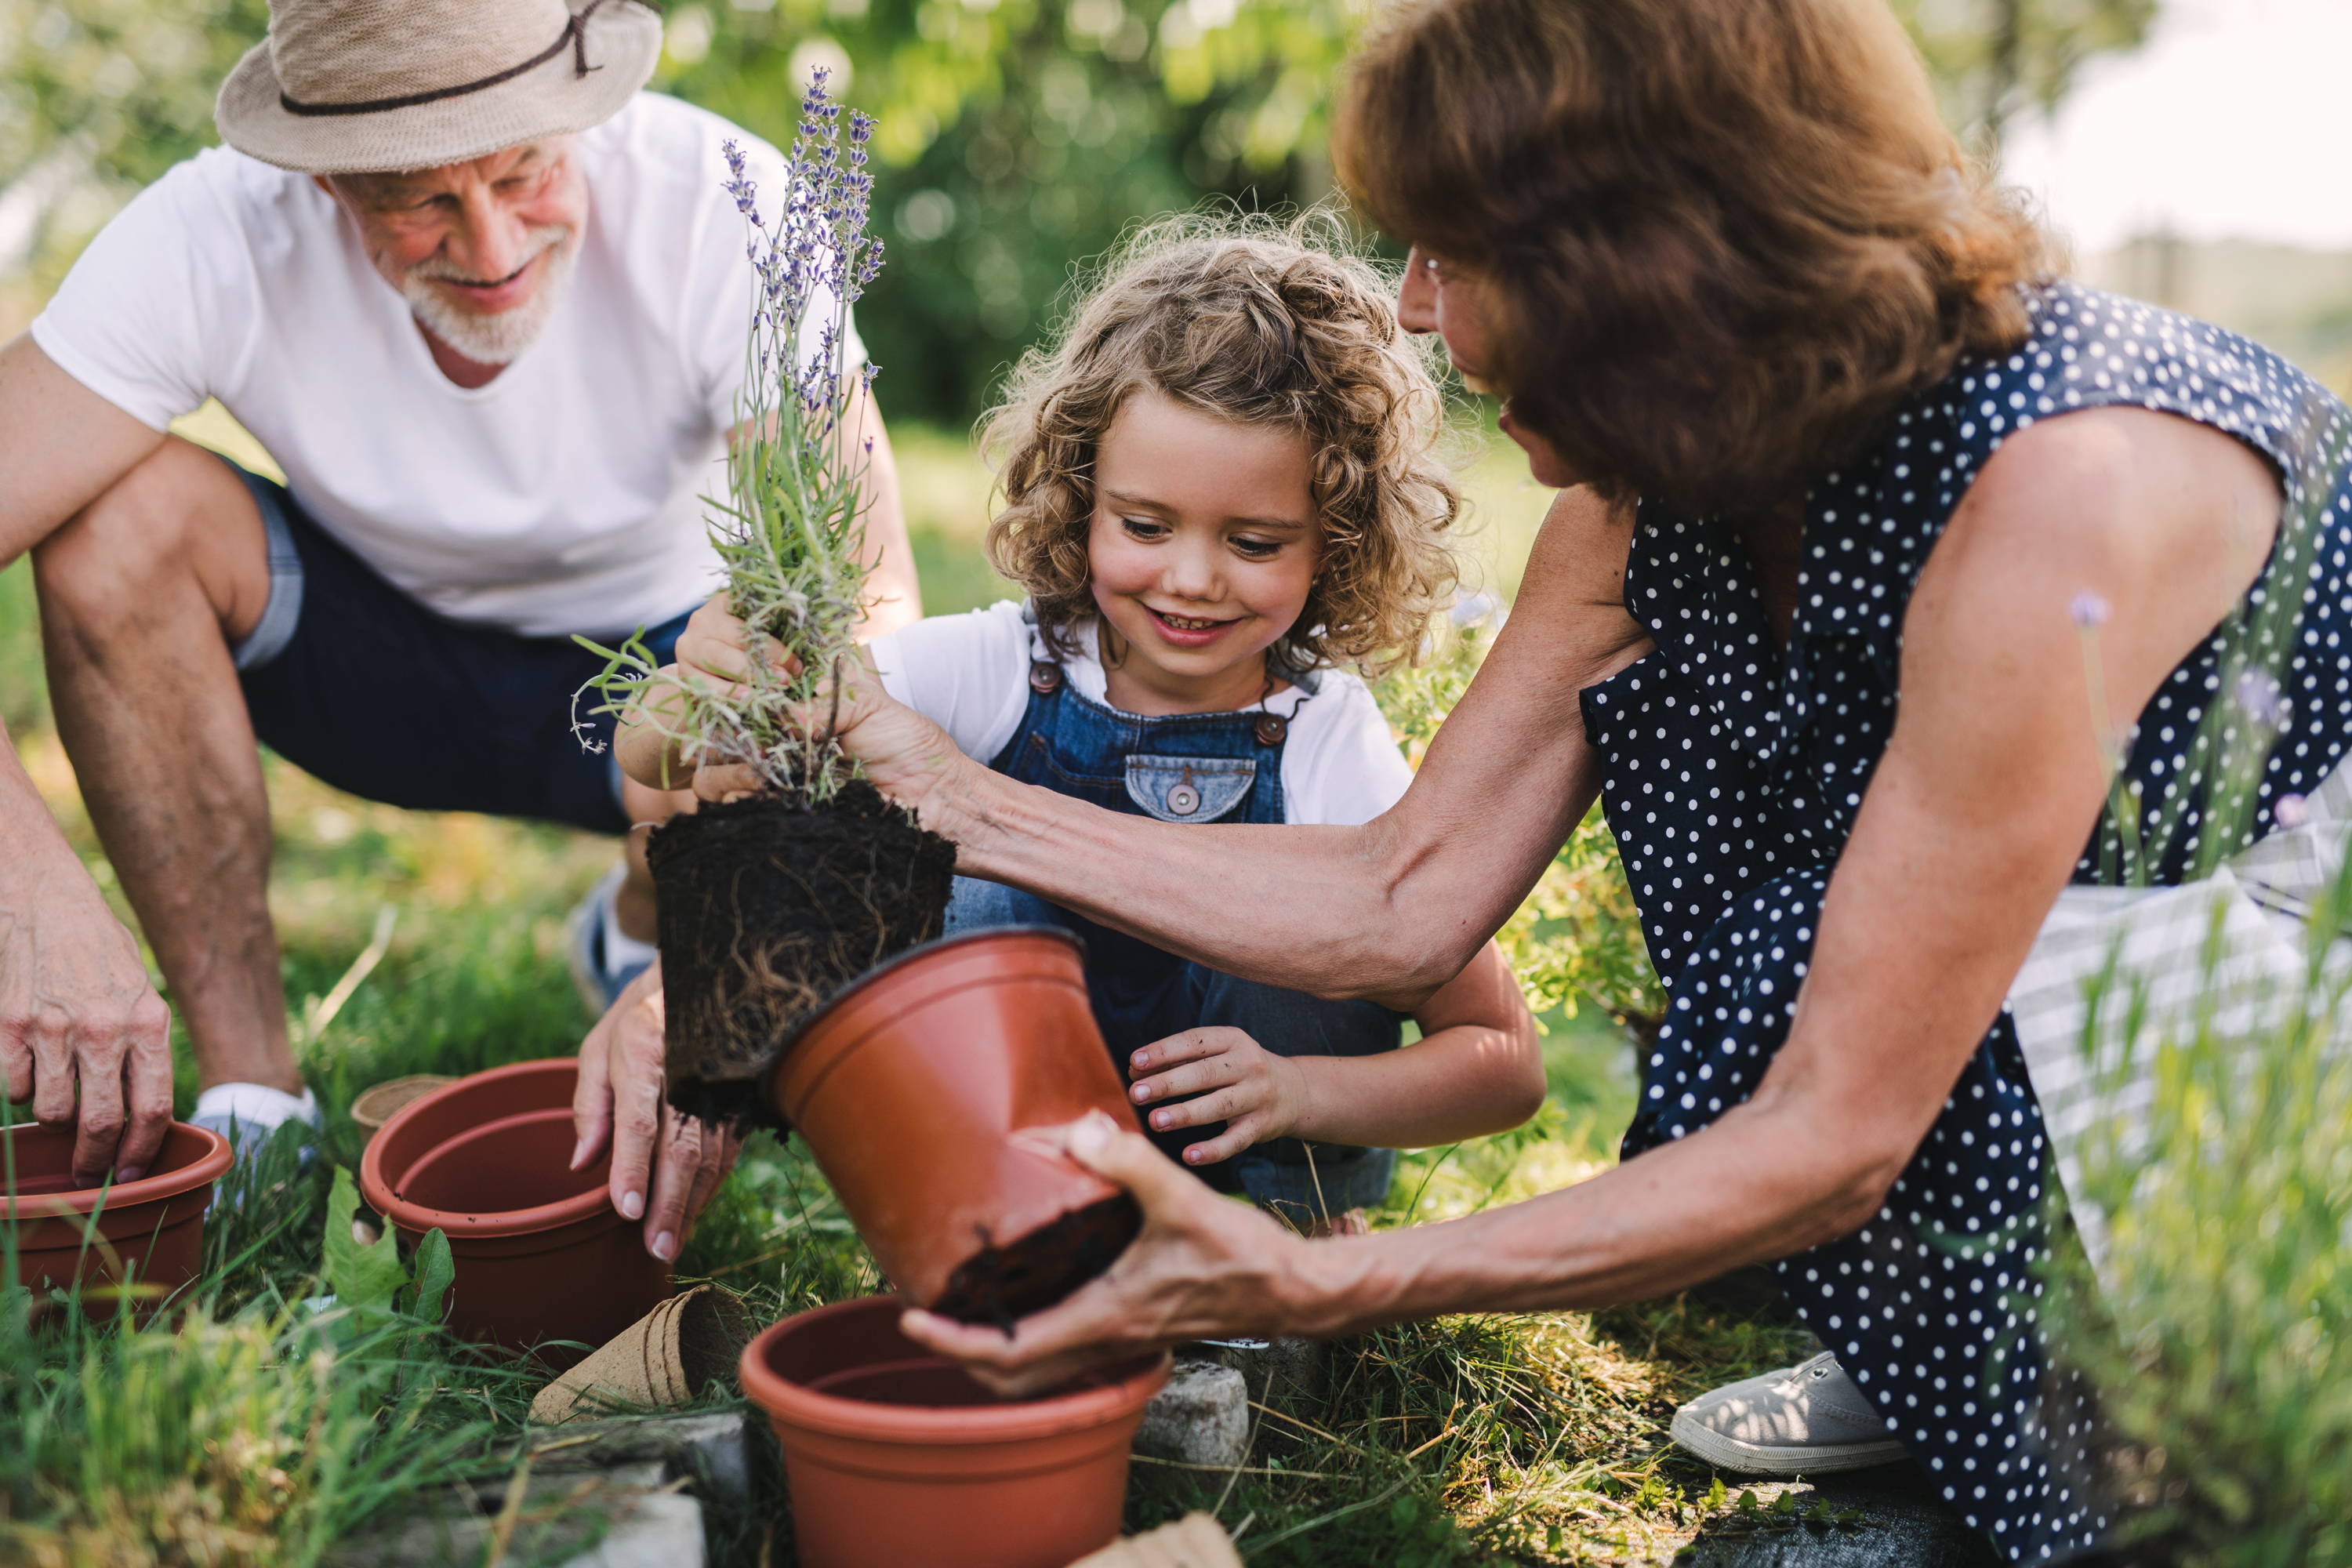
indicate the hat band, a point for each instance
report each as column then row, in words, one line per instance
column 574, row 35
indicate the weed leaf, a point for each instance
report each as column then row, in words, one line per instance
column 435, row 1272
column 360, row 1274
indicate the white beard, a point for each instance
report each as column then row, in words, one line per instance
column 500, row 338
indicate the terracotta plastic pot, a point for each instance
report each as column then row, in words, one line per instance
column 148, row 1239
column 895, row 1458
column 910, row 1088
column 540, row 1252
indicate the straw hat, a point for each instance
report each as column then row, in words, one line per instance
column 351, row 87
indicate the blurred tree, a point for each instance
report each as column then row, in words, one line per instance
column 96, row 99
column 1992, row 58
column 1017, row 135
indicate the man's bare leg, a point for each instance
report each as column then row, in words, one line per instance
column 143, row 596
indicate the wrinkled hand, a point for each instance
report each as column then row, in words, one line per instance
column 75, row 1009
column 619, row 1101
column 1234, row 1079
column 1204, row 1267
column 906, row 755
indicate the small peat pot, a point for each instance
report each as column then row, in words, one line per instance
column 149, row 1237
column 540, row 1252
column 375, row 1105
column 767, row 909
column 912, row 1089
column 897, row 1459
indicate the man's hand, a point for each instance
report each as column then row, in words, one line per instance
column 619, row 1101
column 1204, row 1267
column 1234, row 1079
column 75, row 1009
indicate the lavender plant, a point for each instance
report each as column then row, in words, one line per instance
column 791, row 527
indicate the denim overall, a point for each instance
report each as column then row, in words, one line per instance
column 1186, row 767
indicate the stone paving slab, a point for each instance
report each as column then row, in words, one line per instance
column 624, row 1516
column 626, row 1478
column 712, row 1450
column 1904, row 1524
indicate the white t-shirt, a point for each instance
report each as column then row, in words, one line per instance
column 561, row 497
column 969, row 675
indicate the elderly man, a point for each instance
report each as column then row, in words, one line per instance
column 486, row 304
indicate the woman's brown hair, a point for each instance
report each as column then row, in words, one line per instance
column 1726, row 237
column 1258, row 322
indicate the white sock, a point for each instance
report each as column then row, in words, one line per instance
column 257, row 1107
column 622, row 951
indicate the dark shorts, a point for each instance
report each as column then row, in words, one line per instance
column 358, row 685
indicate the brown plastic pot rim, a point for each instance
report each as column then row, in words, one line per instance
column 882, row 970
column 795, row 1404
column 375, row 1184
column 205, row 1169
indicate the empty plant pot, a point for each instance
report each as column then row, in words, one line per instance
column 911, row 1090
column 897, row 1459
column 540, row 1252
column 149, row 1237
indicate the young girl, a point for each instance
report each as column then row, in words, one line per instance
column 1220, row 489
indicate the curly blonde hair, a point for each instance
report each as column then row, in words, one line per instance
column 1260, row 323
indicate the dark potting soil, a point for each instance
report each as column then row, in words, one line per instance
column 767, row 909
column 1000, row 1285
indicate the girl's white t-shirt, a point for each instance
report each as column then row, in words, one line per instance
column 969, row 675
column 562, row 497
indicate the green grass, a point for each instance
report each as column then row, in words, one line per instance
column 249, row 1431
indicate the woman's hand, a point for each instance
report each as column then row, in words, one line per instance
column 619, row 1101
column 909, row 758
column 1232, row 1078
column 1204, row 1267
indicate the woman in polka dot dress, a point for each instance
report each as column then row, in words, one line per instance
column 1881, row 553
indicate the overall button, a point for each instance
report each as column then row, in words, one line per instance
column 1045, row 677
column 1270, row 729
column 1183, row 800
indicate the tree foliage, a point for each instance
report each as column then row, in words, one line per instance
column 1015, row 136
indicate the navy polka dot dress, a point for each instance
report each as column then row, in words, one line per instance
column 1734, row 769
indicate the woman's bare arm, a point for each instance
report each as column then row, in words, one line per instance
column 1971, row 825
column 1392, row 910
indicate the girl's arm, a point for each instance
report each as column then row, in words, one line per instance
column 1392, row 909
column 1989, row 786
column 1476, row 1069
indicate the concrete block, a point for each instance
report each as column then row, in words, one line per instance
column 1201, row 1417
column 1288, row 1373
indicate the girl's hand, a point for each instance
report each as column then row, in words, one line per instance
column 1204, row 1267
column 1234, row 1079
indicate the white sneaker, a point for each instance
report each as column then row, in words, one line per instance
column 1802, row 1420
